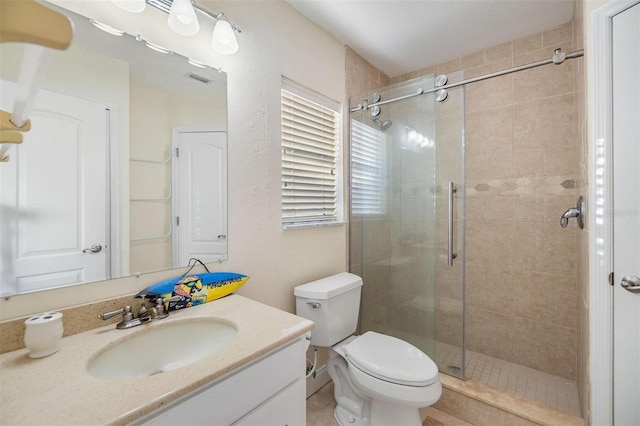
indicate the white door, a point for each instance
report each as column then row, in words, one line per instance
column 626, row 220
column 52, row 202
column 200, row 197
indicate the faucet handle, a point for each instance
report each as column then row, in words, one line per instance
column 160, row 310
column 107, row 315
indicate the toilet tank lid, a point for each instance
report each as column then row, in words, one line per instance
column 328, row 287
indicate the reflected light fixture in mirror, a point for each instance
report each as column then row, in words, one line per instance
column 133, row 6
column 183, row 20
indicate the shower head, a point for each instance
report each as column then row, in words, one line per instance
column 384, row 125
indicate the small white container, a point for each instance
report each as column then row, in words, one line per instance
column 43, row 333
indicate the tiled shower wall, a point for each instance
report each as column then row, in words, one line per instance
column 521, row 296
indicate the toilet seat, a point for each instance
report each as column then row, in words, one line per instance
column 392, row 360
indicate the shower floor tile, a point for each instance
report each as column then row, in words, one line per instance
column 553, row 391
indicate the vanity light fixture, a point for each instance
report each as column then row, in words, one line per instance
column 107, row 28
column 224, row 40
column 183, row 20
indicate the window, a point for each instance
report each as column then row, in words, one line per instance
column 368, row 170
column 310, row 136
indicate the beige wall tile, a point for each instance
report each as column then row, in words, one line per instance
column 449, row 67
column 490, row 333
column 543, row 123
column 488, row 129
column 527, row 44
column 490, row 289
column 472, row 60
column 560, row 161
column 529, row 208
column 557, row 35
column 528, row 162
column 500, row 52
column 543, row 82
column 541, row 247
column 545, row 347
column 490, row 244
column 546, row 298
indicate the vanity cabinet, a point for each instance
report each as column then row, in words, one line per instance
column 268, row 391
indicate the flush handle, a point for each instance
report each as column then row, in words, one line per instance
column 314, row 305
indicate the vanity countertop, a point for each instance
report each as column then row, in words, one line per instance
column 58, row 389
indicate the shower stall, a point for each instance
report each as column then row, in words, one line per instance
column 456, row 196
column 407, row 215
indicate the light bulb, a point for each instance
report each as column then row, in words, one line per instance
column 135, row 6
column 182, row 18
column 224, row 40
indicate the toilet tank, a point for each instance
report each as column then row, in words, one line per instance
column 332, row 303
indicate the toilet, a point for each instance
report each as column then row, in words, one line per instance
column 377, row 379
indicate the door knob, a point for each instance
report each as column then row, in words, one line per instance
column 631, row 283
column 94, row 249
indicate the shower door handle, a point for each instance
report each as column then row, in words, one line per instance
column 450, row 254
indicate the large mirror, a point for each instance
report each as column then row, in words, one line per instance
column 124, row 168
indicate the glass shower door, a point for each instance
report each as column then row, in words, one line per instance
column 401, row 215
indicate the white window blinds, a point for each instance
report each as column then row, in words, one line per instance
column 368, row 170
column 309, row 160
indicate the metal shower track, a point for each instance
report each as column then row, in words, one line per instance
column 557, row 59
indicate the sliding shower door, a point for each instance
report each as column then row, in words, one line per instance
column 406, row 217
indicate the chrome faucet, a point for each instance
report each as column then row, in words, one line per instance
column 578, row 212
column 159, row 311
column 128, row 320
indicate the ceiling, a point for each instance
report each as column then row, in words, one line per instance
column 400, row 36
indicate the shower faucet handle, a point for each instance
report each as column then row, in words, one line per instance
column 578, row 212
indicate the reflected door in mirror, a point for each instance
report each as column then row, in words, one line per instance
column 52, row 204
column 200, row 179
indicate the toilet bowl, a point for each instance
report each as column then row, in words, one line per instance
column 378, row 379
column 389, row 378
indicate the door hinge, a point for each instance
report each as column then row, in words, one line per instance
column 610, row 278
column 177, row 152
column 177, row 220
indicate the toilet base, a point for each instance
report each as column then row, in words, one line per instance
column 345, row 418
column 383, row 413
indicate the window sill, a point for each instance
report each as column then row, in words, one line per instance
column 298, row 225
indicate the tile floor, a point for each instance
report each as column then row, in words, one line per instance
column 320, row 411
column 555, row 392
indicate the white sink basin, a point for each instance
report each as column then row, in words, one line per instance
column 154, row 350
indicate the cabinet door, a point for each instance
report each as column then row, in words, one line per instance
column 239, row 393
column 286, row 408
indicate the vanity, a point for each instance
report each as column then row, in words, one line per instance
column 257, row 377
